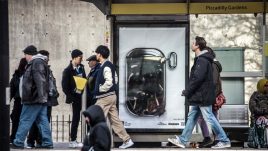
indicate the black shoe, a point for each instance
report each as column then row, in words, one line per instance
column 13, row 146
column 207, row 143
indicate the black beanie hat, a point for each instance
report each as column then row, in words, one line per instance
column 30, row 50
column 75, row 53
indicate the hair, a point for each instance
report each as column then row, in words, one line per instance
column 201, row 42
column 103, row 50
column 44, row 52
column 211, row 52
column 22, row 65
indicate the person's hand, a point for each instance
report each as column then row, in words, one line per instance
column 183, row 93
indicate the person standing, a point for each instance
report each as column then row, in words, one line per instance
column 15, row 94
column 200, row 95
column 105, row 93
column 73, row 95
column 94, row 66
column 34, row 134
column 34, row 96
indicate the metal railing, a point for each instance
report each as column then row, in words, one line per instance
column 61, row 128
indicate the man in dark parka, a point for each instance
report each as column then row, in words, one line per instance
column 200, row 95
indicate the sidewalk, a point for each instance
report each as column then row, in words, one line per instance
column 64, row 147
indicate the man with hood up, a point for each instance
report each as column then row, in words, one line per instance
column 100, row 136
column 34, row 95
column 201, row 96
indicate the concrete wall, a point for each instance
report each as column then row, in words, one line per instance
column 58, row 26
column 236, row 30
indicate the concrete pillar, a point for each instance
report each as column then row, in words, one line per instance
column 4, row 76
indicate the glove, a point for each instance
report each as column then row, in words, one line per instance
column 184, row 93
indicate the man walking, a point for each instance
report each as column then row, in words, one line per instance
column 200, row 94
column 73, row 95
column 34, row 98
column 105, row 93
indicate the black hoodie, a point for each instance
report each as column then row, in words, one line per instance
column 201, row 88
column 100, row 136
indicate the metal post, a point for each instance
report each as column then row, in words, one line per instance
column 263, row 40
column 83, row 123
column 4, row 77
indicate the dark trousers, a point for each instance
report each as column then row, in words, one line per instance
column 76, row 105
column 34, row 134
column 15, row 118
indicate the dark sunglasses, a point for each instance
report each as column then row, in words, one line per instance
column 265, row 85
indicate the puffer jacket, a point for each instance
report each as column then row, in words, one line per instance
column 35, row 81
column 100, row 136
column 201, row 88
column 258, row 105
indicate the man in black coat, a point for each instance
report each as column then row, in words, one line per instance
column 99, row 138
column 200, row 95
column 73, row 95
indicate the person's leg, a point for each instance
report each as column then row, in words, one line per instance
column 204, row 128
column 116, row 123
column 49, row 111
column 75, row 120
column 214, row 123
column 44, row 128
column 15, row 118
column 28, row 116
column 193, row 116
column 32, row 136
column 108, row 105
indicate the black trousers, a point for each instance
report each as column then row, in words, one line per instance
column 34, row 135
column 15, row 118
column 77, row 106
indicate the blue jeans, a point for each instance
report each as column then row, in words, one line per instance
column 209, row 117
column 30, row 114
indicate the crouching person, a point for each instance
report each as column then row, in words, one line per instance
column 99, row 138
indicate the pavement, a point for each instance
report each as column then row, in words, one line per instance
column 63, row 146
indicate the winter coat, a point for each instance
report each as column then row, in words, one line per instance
column 201, row 88
column 14, row 85
column 68, row 83
column 100, row 136
column 91, row 86
column 35, row 83
column 258, row 103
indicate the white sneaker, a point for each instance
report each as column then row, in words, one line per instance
column 74, row 144
column 127, row 144
column 221, row 145
column 176, row 141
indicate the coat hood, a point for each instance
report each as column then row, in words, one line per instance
column 39, row 56
column 95, row 114
column 206, row 55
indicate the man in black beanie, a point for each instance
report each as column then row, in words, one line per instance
column 34, row 96
column 74, row 96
